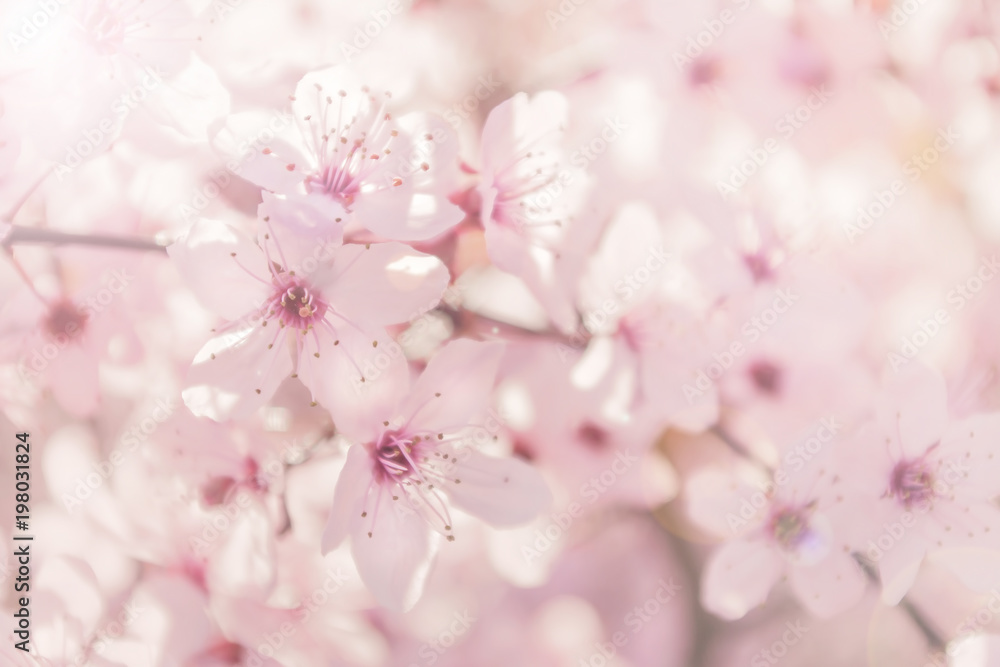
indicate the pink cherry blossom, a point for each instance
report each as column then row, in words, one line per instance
column 467, row 332
column 530, row 193
column 389, row 174
column 929, row 480
column 783, row 526
column 327, row 305
column 415, row 461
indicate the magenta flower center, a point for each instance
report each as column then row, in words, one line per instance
column 912, row 483
column 789, row 527
column 415, row 469
column 396, row 456
column 65, row 319
column 350, row 146
column 766, row 377
column 593, row 436
column 759, row 266
column 297, row 305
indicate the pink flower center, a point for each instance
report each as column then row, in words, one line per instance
column 350, row 147
column 396, row 457
column 766, row 377
column 759, row 266
column 414, row 469
column 704, row 70
column 297, row 305
column 217, row 490
column 789, row 526
column 226, row 652
column 65, row 319
column 912, row 483
column 593, row 436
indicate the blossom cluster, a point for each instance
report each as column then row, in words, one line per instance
column 458, row 332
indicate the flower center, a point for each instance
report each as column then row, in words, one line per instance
column 593, row 436
column 65, row 319
column 298, row 306
column 789, row 527
column 759, row 266
column 912, row 483
column 350, row 146
column 395, row 457
column 766, row 377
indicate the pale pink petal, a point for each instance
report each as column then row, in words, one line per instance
column 314, row 226
column 971, row 445
column 360, row 383
column 73, row 378
column 383, row 283
column 236, row 373
column 978, row 569
column 313, row 90
column 914, row 407
column 505, row 245
column 230, row 286
column 402, row 214
column 412, row 204
column 348, row 497
column 898, row 567
column 739, row 577
column 10, row 149
column 455, row 386
column 632, row 240
column 518, row 123
column 501, row 491
column 265, row 149
column 244, row 563
column 833, row 585
column 392, row 550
